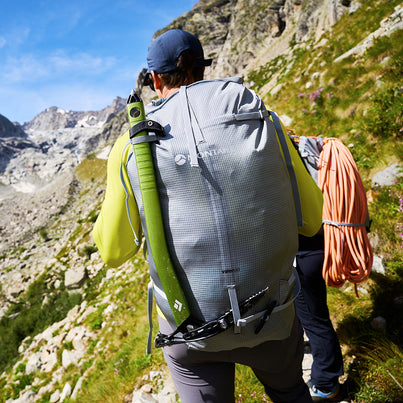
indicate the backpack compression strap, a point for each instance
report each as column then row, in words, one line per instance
column 287, row 157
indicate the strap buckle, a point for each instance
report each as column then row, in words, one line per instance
column 147, row 126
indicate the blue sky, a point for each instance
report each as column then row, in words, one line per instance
column 75, row 54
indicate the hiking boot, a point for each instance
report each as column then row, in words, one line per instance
column 322, row 395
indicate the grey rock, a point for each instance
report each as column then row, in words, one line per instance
column 388, row 176
column 77, row 388
column 26, row 397
column 55, row 396
column 66, row 392
column 142, row 397
column 75, row 277
column 378, row 266
column 355, row 5
column 379, row 323
column 34, row 363
column 71, row 357
column 398, row 300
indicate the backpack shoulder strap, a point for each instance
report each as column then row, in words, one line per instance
column 290, row 168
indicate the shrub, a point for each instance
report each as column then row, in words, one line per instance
column 44, row 234
column 384, row 117
column 88, row 250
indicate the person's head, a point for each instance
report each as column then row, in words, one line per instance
column 175, row 58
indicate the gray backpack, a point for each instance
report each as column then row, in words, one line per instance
column 229, row 210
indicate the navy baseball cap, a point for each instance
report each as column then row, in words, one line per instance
column 164, row 51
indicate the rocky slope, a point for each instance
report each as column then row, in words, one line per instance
column 36, row 168
column 53, row 175
column 241, row 35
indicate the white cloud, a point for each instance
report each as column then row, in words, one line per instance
column 80, row 62
column 22, row 69
column 16, row 37
column 57, row 66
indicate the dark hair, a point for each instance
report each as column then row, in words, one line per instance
column 186, row 73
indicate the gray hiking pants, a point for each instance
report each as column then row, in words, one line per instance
column 206, row 377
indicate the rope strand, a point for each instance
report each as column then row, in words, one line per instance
column 348, row 253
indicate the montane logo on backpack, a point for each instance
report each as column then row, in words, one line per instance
column 181, row 159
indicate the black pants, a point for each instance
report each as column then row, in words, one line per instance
column 312, row 310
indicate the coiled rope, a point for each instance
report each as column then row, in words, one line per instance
column 348, row 253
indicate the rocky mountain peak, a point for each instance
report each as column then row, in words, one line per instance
column 54, row 118
column 10, row 130
column 54, row 142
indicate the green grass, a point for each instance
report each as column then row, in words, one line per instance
column 359, row 99
column 121, row 364
column 247, row 387
column 386, row 213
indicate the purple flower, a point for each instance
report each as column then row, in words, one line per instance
column 314, row 95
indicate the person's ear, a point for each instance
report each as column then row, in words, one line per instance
column 156, row 80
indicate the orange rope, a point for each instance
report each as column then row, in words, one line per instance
column 348, row 253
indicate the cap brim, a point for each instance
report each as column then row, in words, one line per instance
column 204, row 62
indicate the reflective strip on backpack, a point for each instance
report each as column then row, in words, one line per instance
column 127, row 195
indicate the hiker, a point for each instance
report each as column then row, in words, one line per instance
column 311, row 308
column 211, row 221
column 318, row 262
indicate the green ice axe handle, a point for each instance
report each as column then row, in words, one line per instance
column 153, row 216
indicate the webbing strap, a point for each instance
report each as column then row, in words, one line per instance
column 146, row 126
column 188, row 127
column 297, row 289
column 235, row 308
column 261, row 115
column 290, row 168
column 345, row 224
column 150, row 138
column 150, row 317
